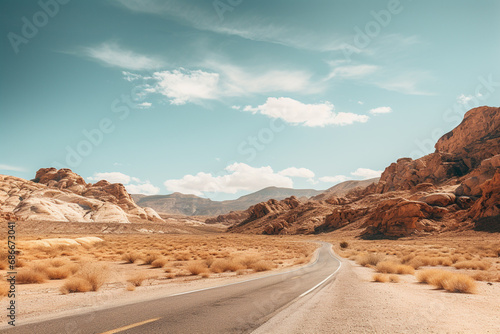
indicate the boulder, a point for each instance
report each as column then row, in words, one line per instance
column 439, row 199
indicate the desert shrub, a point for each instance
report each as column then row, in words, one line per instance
column 94, row 274
column 262, row 266
column 160, row 262
column 223, row 265
column 30, row 276
column 380, row 278
column 344, row 244
column 248, row 260
column 130, row 287
column 394, row 278
column 182, row 256
column 76, row 284
column 138, row 279
column 390, row 267
column 131, row 257
column 4, row 289
column 472, row 264
column 197, row 268
column 452, row 282
column 369, row 259
column 58, row 272
column 150, row 258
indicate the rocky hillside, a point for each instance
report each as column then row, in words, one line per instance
column 454, row 188
column 61, row 195
column 192, row 205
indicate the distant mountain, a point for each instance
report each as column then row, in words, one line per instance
column 192, row 205
column 343, row 188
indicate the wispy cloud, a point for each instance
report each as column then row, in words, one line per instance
column 298, row 113
column 12, row 168
column 112, row 54
column 252, row 28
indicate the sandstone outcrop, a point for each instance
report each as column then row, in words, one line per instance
column 455, row 187
column 61, row 195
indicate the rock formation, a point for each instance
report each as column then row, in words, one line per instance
column 61, row 195
column 457, row 186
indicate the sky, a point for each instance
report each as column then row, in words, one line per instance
column 222, row 98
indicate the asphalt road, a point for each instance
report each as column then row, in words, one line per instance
column 234, row 308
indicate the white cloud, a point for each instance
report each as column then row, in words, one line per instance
column 297, row 172
column 405, row 82
column 144, row 105
column 113, row 177
column 182, row 86
column 144, row 188
column 141, row 187
column 466, row 99
column 334, row 179
column 312, row 115
column 236, row 107
column 12, row 168
column 380, row 110
column 366, row 173
column 361, row 102
column 131, row 76
column 112, row 54
column 240, row 177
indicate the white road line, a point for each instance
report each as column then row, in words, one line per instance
column 323, row 281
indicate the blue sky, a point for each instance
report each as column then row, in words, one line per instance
column 222, row 98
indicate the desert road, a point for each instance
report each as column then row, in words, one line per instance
column 233, row 308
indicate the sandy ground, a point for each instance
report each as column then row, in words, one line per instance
column 354, row 304
column 38, row 302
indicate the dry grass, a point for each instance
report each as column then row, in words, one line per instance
column 473, row 264
column 262, row 266
column 131, row 257
column 197, row 268
column 76, row 284
column 94, row 273
column 389, row 267
column 138, row 278
column 4, row 289
column 380, row 278
column 223, row 265
column 30, row 276
column 130, row 287
column 442, row 279
column 159, row 262
column 369, row 259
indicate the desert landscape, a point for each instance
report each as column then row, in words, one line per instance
column 232, row 166
column 426, row 226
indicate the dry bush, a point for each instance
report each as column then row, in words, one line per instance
column 170, row 275
column 223, row 265
column 197, row 268
column 473, row 264
column 380, row 278
column 182, row 256
column 159, row 262
column 4, row 289
column 76, row 284
column 262, row 266
column 150, row 258
column 130, row 287
column 453, row 282
column 95, row 274
column 138, row 278
column 249, row 260
column 30, row 276
column 369, row 259
column 131, row 257
column 394, row 278
column 389, row 267
column 344, row 244
column 58, row 272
